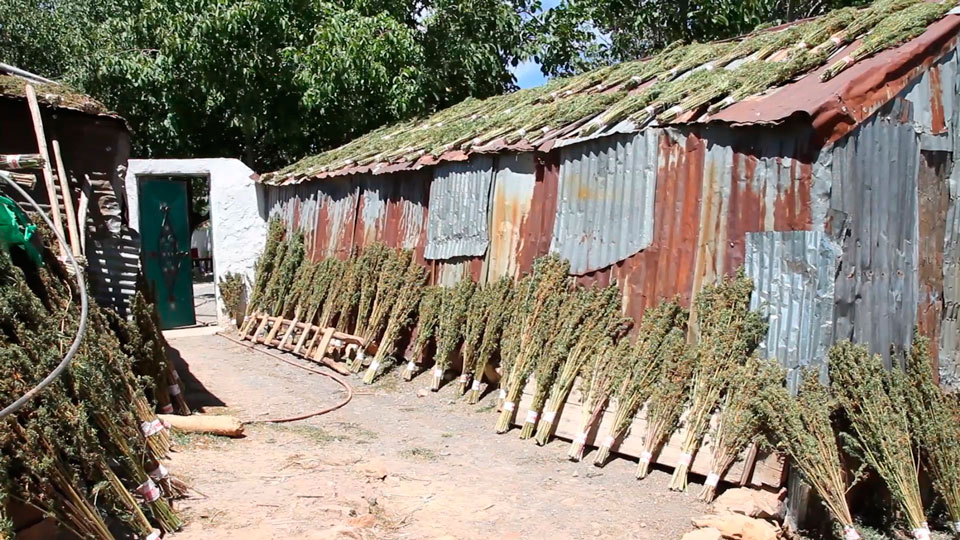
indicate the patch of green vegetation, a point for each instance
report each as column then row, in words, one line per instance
column 317, row 435
column 420, row 453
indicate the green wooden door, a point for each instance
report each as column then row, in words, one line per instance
column 165, row 249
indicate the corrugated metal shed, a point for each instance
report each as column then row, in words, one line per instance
column 605, row 202
column 459, row 195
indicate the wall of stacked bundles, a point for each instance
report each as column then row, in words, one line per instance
column 85, row 454
column 852, row 240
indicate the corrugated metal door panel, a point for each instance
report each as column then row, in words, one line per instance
column 513, row 192
column 457, row 225
column 605, row 207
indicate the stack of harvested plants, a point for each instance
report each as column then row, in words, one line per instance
column 802, row 427
column 667, row 400
column 876, row 403
column 739, row 421
column 288, row 262
column 729, row 332
column 935, row 427
column 429, row 315
column 499, row 295
column 601, row 320
column 565, row 334
column 142, row 339
column 401, row 317
column 666, row 322
column 233, row 292
column 536, row 308
column 370, row 266
column 293, row 304
column 76, row 450
column 597, row 383
column 453, row 312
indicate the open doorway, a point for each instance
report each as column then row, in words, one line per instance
column 177, row 247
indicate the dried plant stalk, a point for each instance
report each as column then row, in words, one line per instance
column 499, row 300
column 401, row 317
column 453, row 312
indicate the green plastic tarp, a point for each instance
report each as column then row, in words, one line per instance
column 16, row 230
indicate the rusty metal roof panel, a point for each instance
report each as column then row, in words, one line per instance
column 457, row 224
column 793, row 274
column 605, row 203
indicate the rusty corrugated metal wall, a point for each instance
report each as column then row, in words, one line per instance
column 859, row 240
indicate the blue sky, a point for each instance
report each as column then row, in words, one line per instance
column 528, row 73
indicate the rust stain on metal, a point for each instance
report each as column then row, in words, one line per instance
column 666, row 268
column 933, row 200
column 536, row 227
column 938, row 121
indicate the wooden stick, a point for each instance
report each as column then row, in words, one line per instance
column 67, row 199
column 303, row 337
column 28, row 181
column 47, row 171
column 289, row 333
column 277, row 323
column 82, row 219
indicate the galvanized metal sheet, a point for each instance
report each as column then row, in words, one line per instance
column 793, row 274
column 934, row 100
column 949, row 356
column 458, row 223
column 510, row 206
column 605, row 208
column 393, row 210
column 874, row 214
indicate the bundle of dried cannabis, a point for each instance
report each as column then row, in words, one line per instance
column 876, row 402
column 453, row 312
column 499, row 299
column 429, row 315
column 401, row 317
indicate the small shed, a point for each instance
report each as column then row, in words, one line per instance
column 819, row 160
column 95, row 147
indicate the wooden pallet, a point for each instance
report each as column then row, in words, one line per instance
column 756, row 469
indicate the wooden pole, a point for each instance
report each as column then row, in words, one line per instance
column 47, row 172
column 67, row 200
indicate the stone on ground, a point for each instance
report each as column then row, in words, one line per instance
column 707, row 533
column 750, row 502
column 739, row 527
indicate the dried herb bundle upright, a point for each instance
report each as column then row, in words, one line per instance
column 876, row 402
column 739, row 422
column 935, row 427
column 802, row 427
column 641, row 368
column 536, row 307
column 265, row 265
column 429, row 315
column 597, row 383
column 453, row 312
column 729, row 332
column 402, row 315
column 601, row 321
column 548, row 365
column 473, row 327
column 499, row 299
column 392, row 266
column 668, row 398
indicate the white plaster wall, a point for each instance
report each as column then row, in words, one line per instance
column 239, row 229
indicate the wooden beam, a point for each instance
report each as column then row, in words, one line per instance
column 47, row 171
column 67, row 200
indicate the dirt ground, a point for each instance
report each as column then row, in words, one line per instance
column 391, row 465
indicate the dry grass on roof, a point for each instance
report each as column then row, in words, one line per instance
column 54, row 95
column 680, row 79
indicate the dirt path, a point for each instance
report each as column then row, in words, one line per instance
column 392, row 465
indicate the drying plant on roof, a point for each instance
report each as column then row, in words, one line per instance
column 802, row 428
column 601, row 319
column 402, row 315
column 876, row 403
column 739, row 421
column 564, row 334
column 537, row 303
column 668, row 397
column 429, row 315
column 935, row 427
column 499, row 300
column 891, row 30
column 729, row 332
column 449, row 333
